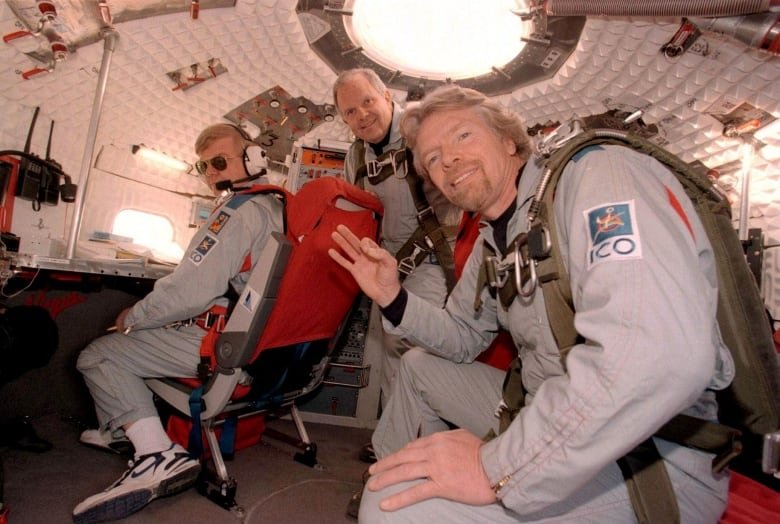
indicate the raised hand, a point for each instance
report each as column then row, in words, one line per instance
column 373, row 268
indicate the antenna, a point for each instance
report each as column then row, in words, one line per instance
column 30, row 133
column 48, row 143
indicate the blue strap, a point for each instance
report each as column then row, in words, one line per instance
column 227, row 440
column 195, row 442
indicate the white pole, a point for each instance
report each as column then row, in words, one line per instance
column 109, row 43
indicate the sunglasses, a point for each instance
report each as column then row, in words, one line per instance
column 219, row 163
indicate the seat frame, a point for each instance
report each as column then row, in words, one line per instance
column 235, row 350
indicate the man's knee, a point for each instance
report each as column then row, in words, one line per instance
column 92, row 355
column 414, row 358
column 417, row 362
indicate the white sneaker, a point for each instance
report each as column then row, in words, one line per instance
column 114, row 442
column 148, row 477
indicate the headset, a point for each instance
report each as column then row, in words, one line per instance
column 255, row 158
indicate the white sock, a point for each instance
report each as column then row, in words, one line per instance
column 148, row 436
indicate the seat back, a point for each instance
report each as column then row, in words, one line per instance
column 236, row 345
column 283, row 327
column 285, row 322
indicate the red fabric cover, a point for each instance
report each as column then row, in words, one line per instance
column 750, row 502
column 249, row 431
column 502, row 350
column 316, row 293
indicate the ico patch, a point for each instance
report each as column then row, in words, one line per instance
column 202, row 249
column 219, row 222
column 612, row 233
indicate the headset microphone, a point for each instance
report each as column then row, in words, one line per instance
column 222, row 185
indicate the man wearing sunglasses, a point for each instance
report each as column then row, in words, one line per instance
column 161, row 335
column 227, row 156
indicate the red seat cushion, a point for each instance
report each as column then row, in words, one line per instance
column 239, row 392
column 502, row 350
column 750, row 502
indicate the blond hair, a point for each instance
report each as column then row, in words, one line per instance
column 217, row 131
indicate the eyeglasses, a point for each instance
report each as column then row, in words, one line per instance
column 219, row 163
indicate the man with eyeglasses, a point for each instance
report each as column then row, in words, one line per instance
column 161, row 335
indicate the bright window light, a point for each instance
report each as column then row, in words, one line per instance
column 161, row 158
column 438, row 39
column 149, row 230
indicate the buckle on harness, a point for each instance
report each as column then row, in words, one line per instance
column 425, row 214
column 559, row 136
column 498, row 269
column 374, row 167
column 770, row 456
column 209, row 319
column 396, row 161
column 407, row 264
column 521, row 263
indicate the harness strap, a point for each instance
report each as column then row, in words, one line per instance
column 227, row 439
column 376, row 171
column 721, row 440
column 647, row 480
column 514, row 395
column 430, row 224
column 649, row 488
column 430, row 236
column 195, row 440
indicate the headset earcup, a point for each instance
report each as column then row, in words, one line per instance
column 255, row 161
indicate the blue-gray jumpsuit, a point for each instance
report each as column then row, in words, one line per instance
column 398, row 224
column 645, row 292
column 221, row 254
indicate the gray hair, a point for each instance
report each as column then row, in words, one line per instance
column 450, row 97
column 349, row 74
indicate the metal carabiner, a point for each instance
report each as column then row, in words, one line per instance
column 395, row 163
column 518, row 280
column 497, row 275
column 559, row 136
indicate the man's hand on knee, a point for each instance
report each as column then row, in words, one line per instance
column 448, row 461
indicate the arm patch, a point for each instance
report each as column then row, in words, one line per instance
column 613, row 234
column 202, row 249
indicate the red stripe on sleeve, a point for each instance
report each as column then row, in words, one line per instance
column 678, row 208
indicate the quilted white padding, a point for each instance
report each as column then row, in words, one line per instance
column 261, row 43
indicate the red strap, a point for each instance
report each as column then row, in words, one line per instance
column 502, row 350
column 209, row 342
